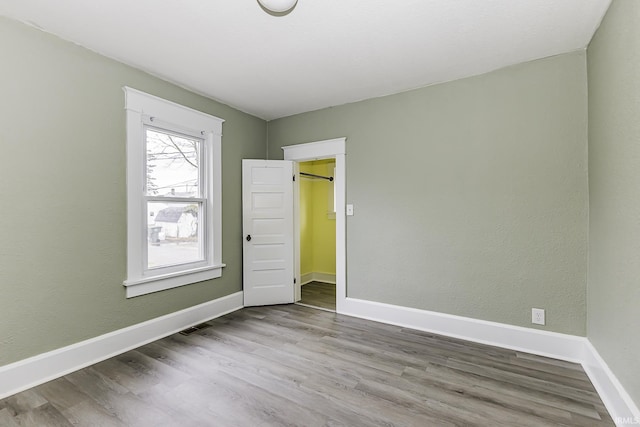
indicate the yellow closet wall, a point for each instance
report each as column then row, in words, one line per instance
column 317, row 228
column 306, row 221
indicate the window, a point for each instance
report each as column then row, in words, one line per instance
column 173, row 195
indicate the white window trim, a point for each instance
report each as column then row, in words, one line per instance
column 139, row 106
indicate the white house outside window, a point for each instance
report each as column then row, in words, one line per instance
column 173, row 194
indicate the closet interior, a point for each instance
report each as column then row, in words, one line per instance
column 318, row 234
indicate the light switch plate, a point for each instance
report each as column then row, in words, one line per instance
column 349, row 210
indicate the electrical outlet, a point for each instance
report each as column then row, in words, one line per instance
column 537, row 316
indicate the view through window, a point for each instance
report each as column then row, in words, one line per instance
column 174, row 199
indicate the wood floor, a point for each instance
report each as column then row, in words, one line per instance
column 296, row 366
column 319, row 294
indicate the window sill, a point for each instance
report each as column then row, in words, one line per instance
column 147, row 285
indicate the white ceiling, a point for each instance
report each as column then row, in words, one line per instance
column 323, row 53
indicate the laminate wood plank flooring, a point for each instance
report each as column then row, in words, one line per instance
column 296, row 366
column 319, row 294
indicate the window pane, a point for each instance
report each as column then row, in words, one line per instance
column 174, row 234
column 172, row 164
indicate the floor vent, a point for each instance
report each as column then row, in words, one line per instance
column 193, row 329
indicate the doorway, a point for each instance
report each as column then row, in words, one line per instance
column 329, row 150
column 317, row 222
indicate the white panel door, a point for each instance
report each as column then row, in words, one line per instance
column 267, row 210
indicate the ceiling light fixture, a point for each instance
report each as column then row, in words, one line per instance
column 278, row 6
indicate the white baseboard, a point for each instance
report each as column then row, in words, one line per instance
column 36, row 370
column 550, row 344
column 318, row 277
column 27, row 373
column 618, row 402
column 543, row 343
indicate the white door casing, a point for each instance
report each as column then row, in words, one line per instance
column 336, row 149
column 267, row 211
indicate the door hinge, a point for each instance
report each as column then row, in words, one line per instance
column 294, row 280
column 294, row 178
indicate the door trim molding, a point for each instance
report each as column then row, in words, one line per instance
column 317, row 150
column 326, row 149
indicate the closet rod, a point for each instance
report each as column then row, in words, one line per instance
column 328, row 178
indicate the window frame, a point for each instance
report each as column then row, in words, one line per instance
column 147, row 111
column 200, row 199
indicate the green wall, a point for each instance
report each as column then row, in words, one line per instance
column 614, row 191
column 471, row 196
column 63, row 251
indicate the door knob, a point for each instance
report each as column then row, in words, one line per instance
column 248, row 237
